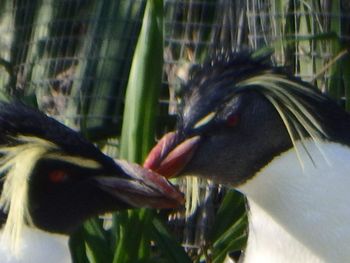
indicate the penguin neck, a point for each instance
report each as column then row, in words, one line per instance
column 300, row 213
column 36, row 246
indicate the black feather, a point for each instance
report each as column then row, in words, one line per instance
column 18, row 119
column 218, row 80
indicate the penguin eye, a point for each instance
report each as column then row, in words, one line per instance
column 232, row 120
column 58, row 176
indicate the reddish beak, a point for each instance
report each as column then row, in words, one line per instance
column 167, row 158
column 140, row 187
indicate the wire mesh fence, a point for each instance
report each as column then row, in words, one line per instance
column 73, row 58
column 60, row 50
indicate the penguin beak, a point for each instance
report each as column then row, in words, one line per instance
column 140, row 187
column 171, row 154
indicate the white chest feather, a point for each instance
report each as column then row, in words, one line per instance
column 37, row 247
column 301, row 214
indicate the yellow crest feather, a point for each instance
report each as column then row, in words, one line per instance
column 18, row 162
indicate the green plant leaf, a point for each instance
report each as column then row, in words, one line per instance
column 143, row 87
column 131, row 228
column 170, row 248
column 229, row 233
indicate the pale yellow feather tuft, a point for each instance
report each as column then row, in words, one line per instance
column 18, row 162
column 16, row 165
column 192, row 194
column 279, row 90
column 195, row 193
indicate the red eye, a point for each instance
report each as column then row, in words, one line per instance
column 58, row 176
column 232, row 120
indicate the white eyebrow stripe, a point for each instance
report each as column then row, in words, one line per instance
column 205, row 120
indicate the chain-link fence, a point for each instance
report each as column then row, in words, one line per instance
column 73, row 58
column 61, row 50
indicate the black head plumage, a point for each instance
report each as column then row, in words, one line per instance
column 226, row 75
column 17, row 119
column 54, row 179
column 247, row 111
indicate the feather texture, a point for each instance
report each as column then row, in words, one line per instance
column 18, row 162
column 300, row 215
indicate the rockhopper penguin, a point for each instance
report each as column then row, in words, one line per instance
column 278, row 140
column 52, row 179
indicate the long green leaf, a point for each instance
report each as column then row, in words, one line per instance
column 133, row 239
column 143, row 86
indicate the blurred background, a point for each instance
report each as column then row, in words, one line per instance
column 112, row 70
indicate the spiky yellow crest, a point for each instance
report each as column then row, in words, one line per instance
column 17, row 163
column 295, row 114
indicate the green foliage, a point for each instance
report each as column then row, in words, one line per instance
column 229, row 233
column 142, row 94
column 136, row 229
column 294, row 30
